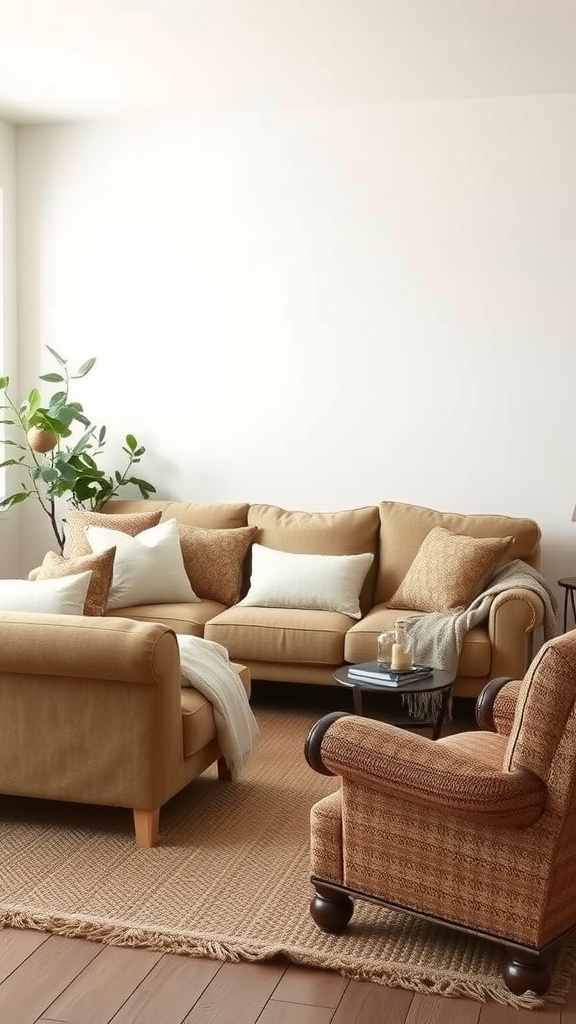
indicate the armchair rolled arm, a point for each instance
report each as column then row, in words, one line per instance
column 496, row 705
column 412, row 767
column 313, row 743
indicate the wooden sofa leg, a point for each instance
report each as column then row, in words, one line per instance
column 224, row 773
column 146, row 826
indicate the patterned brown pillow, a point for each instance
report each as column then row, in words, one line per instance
column 101, row 566
column 449, row 571
column 131, row 523
column 214, row 560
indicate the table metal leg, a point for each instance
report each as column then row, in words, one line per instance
column 357, row 698
column 437, row 725
column 566, row 607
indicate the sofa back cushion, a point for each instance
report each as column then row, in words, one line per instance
column 348, row 532
column 403, row 527
column 211, row 516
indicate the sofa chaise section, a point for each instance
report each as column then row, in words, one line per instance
column 93, row 711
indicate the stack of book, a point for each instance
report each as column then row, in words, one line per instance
column 376, row 672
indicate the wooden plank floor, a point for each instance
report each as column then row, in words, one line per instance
column 48, row 979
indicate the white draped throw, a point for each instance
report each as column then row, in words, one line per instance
column 206, row 667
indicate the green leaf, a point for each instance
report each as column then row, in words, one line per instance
column 58, row 358
column 59, row 398
column 15, row 444
column 48, row 475
column 30, row 407
column 12, row 423
column 10, row 462
column 84, row 369
column 143, row 486
column 131, row 442
column 4, row 383
column 52, row 378
column 14, row 499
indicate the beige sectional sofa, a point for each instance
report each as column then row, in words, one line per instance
column 300, row 644
column 95, row 699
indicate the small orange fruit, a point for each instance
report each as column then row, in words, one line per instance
column 41, row 440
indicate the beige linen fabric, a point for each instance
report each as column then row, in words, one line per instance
column 211, row 515
column 403, row 527
column 348, row 532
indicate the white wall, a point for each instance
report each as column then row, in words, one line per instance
column 319, row 308
column 10, row 560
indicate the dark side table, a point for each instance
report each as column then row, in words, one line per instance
column 569, row 585
column 438, row 682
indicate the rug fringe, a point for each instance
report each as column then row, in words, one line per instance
column 214, row 949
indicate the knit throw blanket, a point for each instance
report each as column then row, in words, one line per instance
column 206, row 667
column 439, row 636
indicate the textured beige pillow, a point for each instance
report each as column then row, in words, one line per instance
column 214, row 560
column 78, row 518
column 449, row 571
column 101, row 566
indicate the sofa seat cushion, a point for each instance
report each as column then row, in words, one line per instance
column 280, row 635
column 361, row 642
column 182, row 618
column 198, row 725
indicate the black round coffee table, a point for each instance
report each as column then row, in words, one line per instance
column 439, row 682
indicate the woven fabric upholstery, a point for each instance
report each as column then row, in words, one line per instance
column 416, row 827
column 504, row 708
column 545, row 700
column 440, row 776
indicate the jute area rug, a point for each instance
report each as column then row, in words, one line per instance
column 229, row 880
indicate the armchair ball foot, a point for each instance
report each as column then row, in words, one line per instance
column 331, row 910
column 526, row 971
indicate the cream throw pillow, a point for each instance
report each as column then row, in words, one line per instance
column 64, row 596
column 281, row 579
column 449, row 571
column 148, row 568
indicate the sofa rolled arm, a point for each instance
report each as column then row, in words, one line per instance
column 514, row 617
column 402, row 764
column 34, row 643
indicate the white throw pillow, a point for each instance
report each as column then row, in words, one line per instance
column 63, row 596
column 332, row 583
column 148, row 568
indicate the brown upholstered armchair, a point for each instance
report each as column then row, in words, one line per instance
column 476, row 830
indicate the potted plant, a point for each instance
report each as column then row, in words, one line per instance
column 54, row 462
